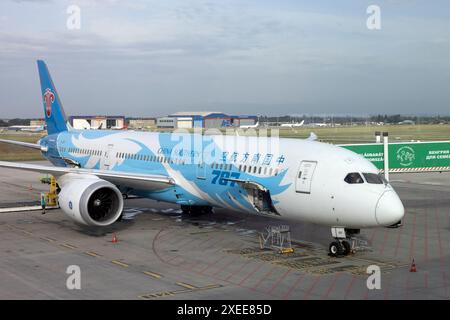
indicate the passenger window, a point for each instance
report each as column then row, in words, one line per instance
column 354, row 177
column 373, row 178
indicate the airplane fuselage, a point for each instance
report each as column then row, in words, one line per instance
column 286, row 178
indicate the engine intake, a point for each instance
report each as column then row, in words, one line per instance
column 90, row 201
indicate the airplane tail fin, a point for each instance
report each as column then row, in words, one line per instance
column 55, row 117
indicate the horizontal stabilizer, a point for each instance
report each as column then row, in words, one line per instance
column 22, row 144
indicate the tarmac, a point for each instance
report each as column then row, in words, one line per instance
column 161, row 254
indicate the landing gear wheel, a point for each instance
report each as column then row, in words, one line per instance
column 186, row 209
column 347, row 247
column 196, row 210
column 336, row 249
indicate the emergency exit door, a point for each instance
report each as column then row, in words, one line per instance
column 304, row 176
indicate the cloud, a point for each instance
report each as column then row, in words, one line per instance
column 32, row 1
column 211, row 53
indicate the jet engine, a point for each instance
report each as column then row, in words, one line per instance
column 90, row 201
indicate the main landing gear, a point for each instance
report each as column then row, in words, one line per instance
column 344, row 243
column 196, row 210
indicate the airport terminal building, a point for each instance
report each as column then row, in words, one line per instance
column 204, row 120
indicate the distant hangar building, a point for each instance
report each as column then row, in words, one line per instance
column 97, row 122
column 141, row 123
column 204, row 120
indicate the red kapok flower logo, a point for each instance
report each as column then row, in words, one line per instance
column 49, row 97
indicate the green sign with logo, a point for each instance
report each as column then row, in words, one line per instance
column 407, row 157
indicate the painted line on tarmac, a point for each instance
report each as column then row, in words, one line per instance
column 92, row 254
column 172, row 293
column 119, row 263
column 153, row 274
column 68, row 246
column 186, row 285
column 47, row 239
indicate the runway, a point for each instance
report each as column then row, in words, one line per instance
column 161, row 254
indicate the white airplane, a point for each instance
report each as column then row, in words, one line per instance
column 298, row 180
column 27, row 128
column 252, row 126
column 293, row 125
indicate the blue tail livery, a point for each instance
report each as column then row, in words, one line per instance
column 54, row 113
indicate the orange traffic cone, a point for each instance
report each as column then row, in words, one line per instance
column 413, row 267
column 114, row 238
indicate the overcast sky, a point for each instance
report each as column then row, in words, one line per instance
column 155, row 57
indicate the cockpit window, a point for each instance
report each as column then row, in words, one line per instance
column 354, row 177
column 374, row 178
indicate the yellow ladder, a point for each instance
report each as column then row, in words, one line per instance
column 52, row 197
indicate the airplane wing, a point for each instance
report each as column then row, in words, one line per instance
column 128, row 179
column 23, row 144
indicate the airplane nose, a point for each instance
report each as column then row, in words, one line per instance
column 389, row 209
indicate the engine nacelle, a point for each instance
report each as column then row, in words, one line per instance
column 89, row 200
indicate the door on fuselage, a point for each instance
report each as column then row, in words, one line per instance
column 304, row 176
column 107, row 157
column 201, row 171
column 259, row 197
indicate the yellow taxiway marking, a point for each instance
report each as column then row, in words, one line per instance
column 152, row 274
column 69, row 246
column 120, row 263
column 211, row 286
column 92, row 254
column 157, row 295
column 19, row 229
column 188, row 289
column 186, row 285
column 48, row 239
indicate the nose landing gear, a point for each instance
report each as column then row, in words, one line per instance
column 344, row 243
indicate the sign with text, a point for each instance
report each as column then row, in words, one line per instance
column 408, row 156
